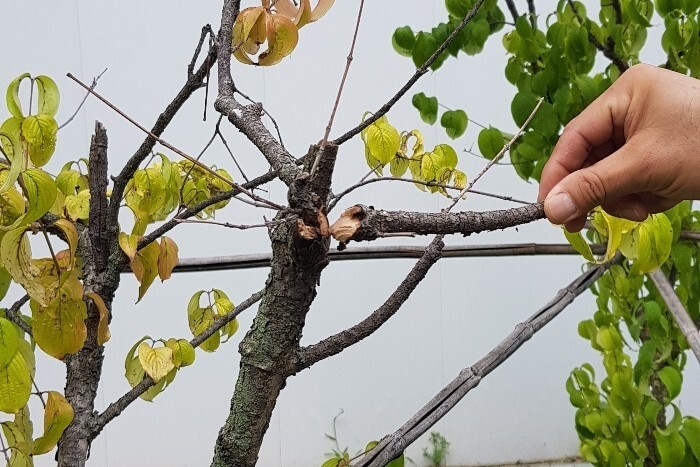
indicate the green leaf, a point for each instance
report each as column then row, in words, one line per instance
column 427, row 106
column 12, row 96
column 671, row 448
column 691, row 432
column 183, row 352
column 458, row 8
column 579, row 243
column 672, row 379
column 490, row 142
column 522, row 106
column 17, row 164
column 454, row 122
column 9, row 341
column 403, row 40
column 58, row 414
column 49, row 97
column 652, row 243
column 442, row 157
column 424, row 47
column 40, row 133
column 5, row 281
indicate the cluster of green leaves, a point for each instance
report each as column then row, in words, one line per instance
column 622, row 420
column 433, row 170
column 422, row 45
column 616, row 419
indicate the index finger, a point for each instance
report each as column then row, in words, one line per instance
column 599, row 123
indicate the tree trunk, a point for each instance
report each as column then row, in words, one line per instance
column 83, row 369
column 268, row 350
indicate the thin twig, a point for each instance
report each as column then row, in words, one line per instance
column 680, row 314
column 234, row 185
column 362, row 183
column 4, row 450
column 235, row 161
column 617, row 8
column 262, row 260
column 394, row 444
column 116, row 408
column 340, row 89
column 235, row 226
column 87, row 94
column 533, row 13
column 38, row 392
column 423, row 69
column 12, row 314
column 500, row 154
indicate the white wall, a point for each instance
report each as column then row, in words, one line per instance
column 462, row 309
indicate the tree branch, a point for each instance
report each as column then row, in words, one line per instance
column 116, row 408
column 362, row 223
column 335, row 344
column 513, row 10
column 608, row 49
column 193, row 83
column 197, row 208
column 247, row 118
column 12, row 314
column 680, row 314
column 394, row 444
column 423, row 69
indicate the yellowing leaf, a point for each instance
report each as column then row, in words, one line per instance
column 9, row 341
column 41, row 193
column 183, row 352
column 48, row 96
column 57, row 416
column 15, row 384
column 39, row 132
column 103, row 333
column 653, row 240
column 18, row 162
column 135, row 373
column 145, row 267
column 128, row 244
column 71, row 236
column 156, row 362
column 59, row 329
column 12, row 96
column 282, row 38
column 16, row 255
column 289, row 9
column 167, row 259
column 579, row 243
column 12, row 128
column 460, row 179
column 78, row 206
column 383, row 141
column 244, row 24
column 200, row 319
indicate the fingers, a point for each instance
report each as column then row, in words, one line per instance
column 613, row 178
column 599, row 126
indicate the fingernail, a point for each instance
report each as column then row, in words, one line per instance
column 561, row 207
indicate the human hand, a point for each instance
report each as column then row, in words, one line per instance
column 635, row 150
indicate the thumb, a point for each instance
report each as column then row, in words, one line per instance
column 612, row 178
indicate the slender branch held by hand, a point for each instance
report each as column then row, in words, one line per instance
column 680, row 314
column 116, row 408
column 362, row 223
column 393, row 445
column 423, row 69
column 12, row 314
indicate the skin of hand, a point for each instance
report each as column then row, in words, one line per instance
column 634, row 151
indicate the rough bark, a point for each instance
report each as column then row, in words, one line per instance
column 362, row 223
column 268, row 350
column 83, row 369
